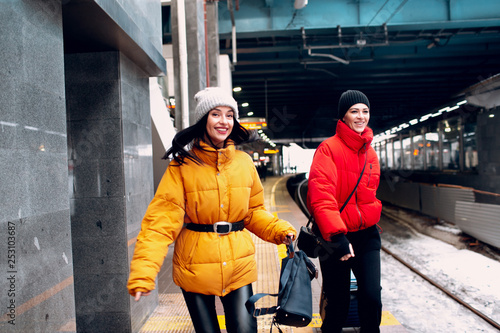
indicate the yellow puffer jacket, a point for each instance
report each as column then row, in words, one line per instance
column 225, row 188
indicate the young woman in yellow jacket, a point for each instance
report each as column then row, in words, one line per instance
column 208, row 202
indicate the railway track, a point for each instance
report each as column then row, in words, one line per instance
column 437, row 285
column 301, row 202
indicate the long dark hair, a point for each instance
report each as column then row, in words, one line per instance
column 194, row 134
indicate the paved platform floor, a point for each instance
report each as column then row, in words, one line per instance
column 171, row 315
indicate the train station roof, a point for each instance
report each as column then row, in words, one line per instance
column 294, row 58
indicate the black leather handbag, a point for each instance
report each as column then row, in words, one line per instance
column 294, row 307
column 310, row 240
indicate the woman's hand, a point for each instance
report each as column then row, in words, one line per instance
column 349, row 255
column 289, row 239
column 140, row 293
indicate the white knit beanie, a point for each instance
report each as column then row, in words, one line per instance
column 211, row 97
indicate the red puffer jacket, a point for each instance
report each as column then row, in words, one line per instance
column 335, row 170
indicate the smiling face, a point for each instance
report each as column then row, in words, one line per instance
column 220, row 123
column 357, row 117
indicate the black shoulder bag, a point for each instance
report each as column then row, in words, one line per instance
column 310, row 240
column 294, row 307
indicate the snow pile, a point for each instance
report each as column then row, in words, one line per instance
column 419, row 306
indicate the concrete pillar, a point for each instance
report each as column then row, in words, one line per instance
column 35, row 238
column 196, row 55
column 212, row 19
column 111, row 185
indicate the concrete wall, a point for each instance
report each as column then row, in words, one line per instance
column 196, row 57
column 36, row 269
column 147, row 16
column 66, row 238
column 109, row 140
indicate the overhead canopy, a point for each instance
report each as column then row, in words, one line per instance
column 104, row 25
column 409, row 57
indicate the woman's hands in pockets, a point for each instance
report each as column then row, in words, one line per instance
column 349, row 255
column 342, row 248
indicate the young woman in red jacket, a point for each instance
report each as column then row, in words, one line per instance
column 338, row 164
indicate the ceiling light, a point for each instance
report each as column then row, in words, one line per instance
column 299, row 4
column 237, row 89
column 424, row 118
column 244, row 104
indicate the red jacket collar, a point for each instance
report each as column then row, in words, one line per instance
column 353, row 139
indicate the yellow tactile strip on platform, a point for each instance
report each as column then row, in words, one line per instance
column 171, row 315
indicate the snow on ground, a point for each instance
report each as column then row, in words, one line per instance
column 448, row 228
column 419, row 306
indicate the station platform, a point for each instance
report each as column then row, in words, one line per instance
column 172, row 315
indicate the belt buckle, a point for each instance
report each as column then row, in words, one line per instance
column 223, row 223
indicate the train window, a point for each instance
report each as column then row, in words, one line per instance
column 390, row 161
column 432, row 149
column 470, row 145
column 451, row 144
column 382, row 155
column 448, row 144
column 397, row 154
column 377, row 151
column 418, row 152
column 408, row 154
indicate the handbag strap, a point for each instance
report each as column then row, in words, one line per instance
column 311, row 218
column 355, row 187
column 285, row 276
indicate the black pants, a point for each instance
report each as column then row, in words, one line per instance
column 238, row 320
column 336, row 283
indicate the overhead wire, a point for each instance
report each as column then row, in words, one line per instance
column 378, row 12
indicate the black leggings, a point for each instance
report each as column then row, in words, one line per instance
column 238, row 320
column 336, row 283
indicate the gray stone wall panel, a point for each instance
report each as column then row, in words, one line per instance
column 111, row 185
column 96, row 178
column 94, row 103
column 33, row 167
column 147, row 16
column 94, row 139
column 41, row 243
column 138, row 166
column 95, row 217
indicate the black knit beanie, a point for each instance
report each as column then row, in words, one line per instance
column 348, row 99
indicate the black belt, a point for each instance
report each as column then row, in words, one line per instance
column 222, row 228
